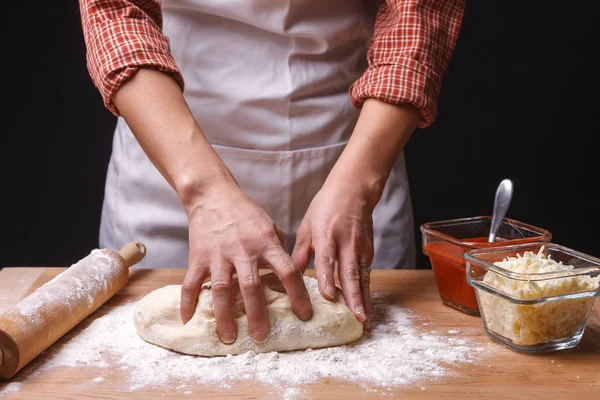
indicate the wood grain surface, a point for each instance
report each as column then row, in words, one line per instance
column 568, row 374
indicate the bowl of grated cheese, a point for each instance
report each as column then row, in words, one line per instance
column 534, row 297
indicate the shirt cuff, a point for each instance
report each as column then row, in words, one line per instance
column 401, row 83
column 112, row 62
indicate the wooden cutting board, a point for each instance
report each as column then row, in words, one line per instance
column 569, row 374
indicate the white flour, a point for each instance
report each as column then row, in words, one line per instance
column 13, row 387
column 395, row 353
column 292, row 394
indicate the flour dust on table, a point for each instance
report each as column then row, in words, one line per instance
column 395, row 353
column 157, row 320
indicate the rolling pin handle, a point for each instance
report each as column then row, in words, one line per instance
column 132, row 253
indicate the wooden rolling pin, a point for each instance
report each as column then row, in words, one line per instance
column 41, row 318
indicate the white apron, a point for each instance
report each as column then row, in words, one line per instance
column 267, row 82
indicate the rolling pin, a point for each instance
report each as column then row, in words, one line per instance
column 41, row 318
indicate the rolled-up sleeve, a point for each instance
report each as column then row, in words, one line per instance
column 121, row 37
column 412, row 45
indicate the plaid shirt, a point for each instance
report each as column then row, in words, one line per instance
column 412, row 44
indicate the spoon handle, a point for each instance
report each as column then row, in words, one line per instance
column 501, row 203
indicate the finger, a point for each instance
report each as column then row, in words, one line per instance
column 222, row 296
column 302, row 249
column 325, row 250
column 365, row 282
column 281, row 237
column 283, row 266
column 254, row 301
column 190, row 290
column 350, row 281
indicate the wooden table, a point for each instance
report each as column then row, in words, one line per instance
column 572, row 374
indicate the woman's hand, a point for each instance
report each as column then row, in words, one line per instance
column 339, row 226
column 229, row 232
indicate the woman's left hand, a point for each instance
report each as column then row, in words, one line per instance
column 339, row 226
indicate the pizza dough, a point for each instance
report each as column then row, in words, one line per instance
column 158, row 321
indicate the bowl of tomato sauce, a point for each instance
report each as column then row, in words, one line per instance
column 446, row 242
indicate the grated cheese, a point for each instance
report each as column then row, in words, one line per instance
column 534, row 324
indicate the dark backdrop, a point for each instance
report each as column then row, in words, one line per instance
column 519, row 101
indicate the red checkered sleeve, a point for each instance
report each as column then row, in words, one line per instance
column 412, row 44
column 121, row 36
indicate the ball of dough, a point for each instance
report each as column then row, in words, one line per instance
column 158, row 321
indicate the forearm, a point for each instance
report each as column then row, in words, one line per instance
column 153, row 106
column 380, row 134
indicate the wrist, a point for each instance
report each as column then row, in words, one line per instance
column 363, row 184
column 194, row 189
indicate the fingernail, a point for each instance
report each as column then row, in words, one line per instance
column 330, row 291
column 361, row 313
column 229, row 338
column 260, row 337
column 367, row 324
column 329, row 288
column 306, row 314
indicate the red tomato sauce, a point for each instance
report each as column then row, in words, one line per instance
column 449, row 269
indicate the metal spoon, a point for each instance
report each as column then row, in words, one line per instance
column 501, row 203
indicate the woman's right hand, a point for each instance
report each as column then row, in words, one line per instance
column 230, row 233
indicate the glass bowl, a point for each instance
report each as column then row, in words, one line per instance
column 446, row 242
column 528, row 309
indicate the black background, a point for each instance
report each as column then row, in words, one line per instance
column 518, row 101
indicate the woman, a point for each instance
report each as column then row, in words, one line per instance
column 265, row 149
